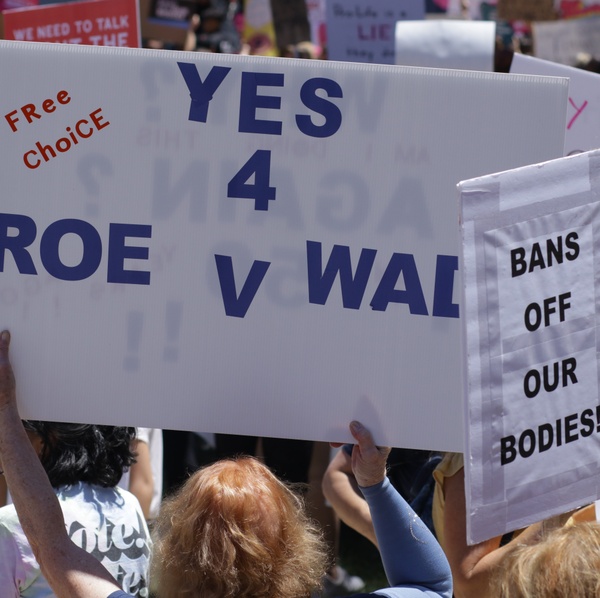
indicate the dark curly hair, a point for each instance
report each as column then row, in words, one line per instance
column 75, row 453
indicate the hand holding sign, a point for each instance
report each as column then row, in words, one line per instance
column 7, row 377
column 368, row 461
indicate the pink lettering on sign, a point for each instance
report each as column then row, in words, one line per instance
column 577, row 113
column 382, row 31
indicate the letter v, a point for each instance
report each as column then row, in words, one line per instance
column 238, row 306
column 201, row 92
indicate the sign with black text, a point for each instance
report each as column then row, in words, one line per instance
column 530, row 281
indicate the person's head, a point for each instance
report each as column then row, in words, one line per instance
column 72, row 453
column 233, row 531
column 565, row 563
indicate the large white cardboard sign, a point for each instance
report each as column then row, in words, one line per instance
column 246, row 245
column 583, row 116
column 531, row 315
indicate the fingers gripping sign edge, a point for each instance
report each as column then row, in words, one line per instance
column 368, row 460
column 4, row 344
column 7, row 378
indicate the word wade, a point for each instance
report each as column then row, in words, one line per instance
column 401, row 270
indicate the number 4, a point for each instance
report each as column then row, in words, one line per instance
column 259, row 167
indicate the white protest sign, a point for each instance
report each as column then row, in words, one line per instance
column 363, row 31
column 274, row 261
column 531, row 311
column 583, row 116
column 318, row 22
column 561, row 41
column 467, row 45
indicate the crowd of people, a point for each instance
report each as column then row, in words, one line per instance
column 218, row 26
column 237, row 528
column 233, row 529
column 84, row 511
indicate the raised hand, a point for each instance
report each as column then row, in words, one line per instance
column 368, row 460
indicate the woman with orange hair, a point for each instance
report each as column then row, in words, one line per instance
column 233, row 531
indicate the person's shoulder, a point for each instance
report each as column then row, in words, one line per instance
column 126, row 498
column 143, row 434
column 450, row 464
column 107, row 499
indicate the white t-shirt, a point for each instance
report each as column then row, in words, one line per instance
column 107, row 522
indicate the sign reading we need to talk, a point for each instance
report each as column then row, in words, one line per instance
column 530, row 237
column 93, row 22
column 246, row 245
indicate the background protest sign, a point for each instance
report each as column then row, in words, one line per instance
column 467, row 45
column 95, row 23
column 561, row 41
column 318, row 22
column 364, row 31
column 531, row 311
column 583, row 116
column 259, row 29
column 274, row 261
column 8, row 4
column 576, row 9
column 526, row 10
column 164, row 20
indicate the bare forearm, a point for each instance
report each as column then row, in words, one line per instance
column 36, row 504
column 41, row 517
column 473, row 566
column 141, row 482
column 3, row 492
column 343, row 494
column 473, row 577
column 70, row 571
column 340, row 487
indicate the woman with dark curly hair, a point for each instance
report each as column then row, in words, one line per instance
column 84, row 463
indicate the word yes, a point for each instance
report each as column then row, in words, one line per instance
column 202, row 93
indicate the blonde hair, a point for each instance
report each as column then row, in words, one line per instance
column 235, row 531
column 565, row 564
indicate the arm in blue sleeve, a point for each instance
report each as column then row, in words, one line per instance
column 410, row 553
